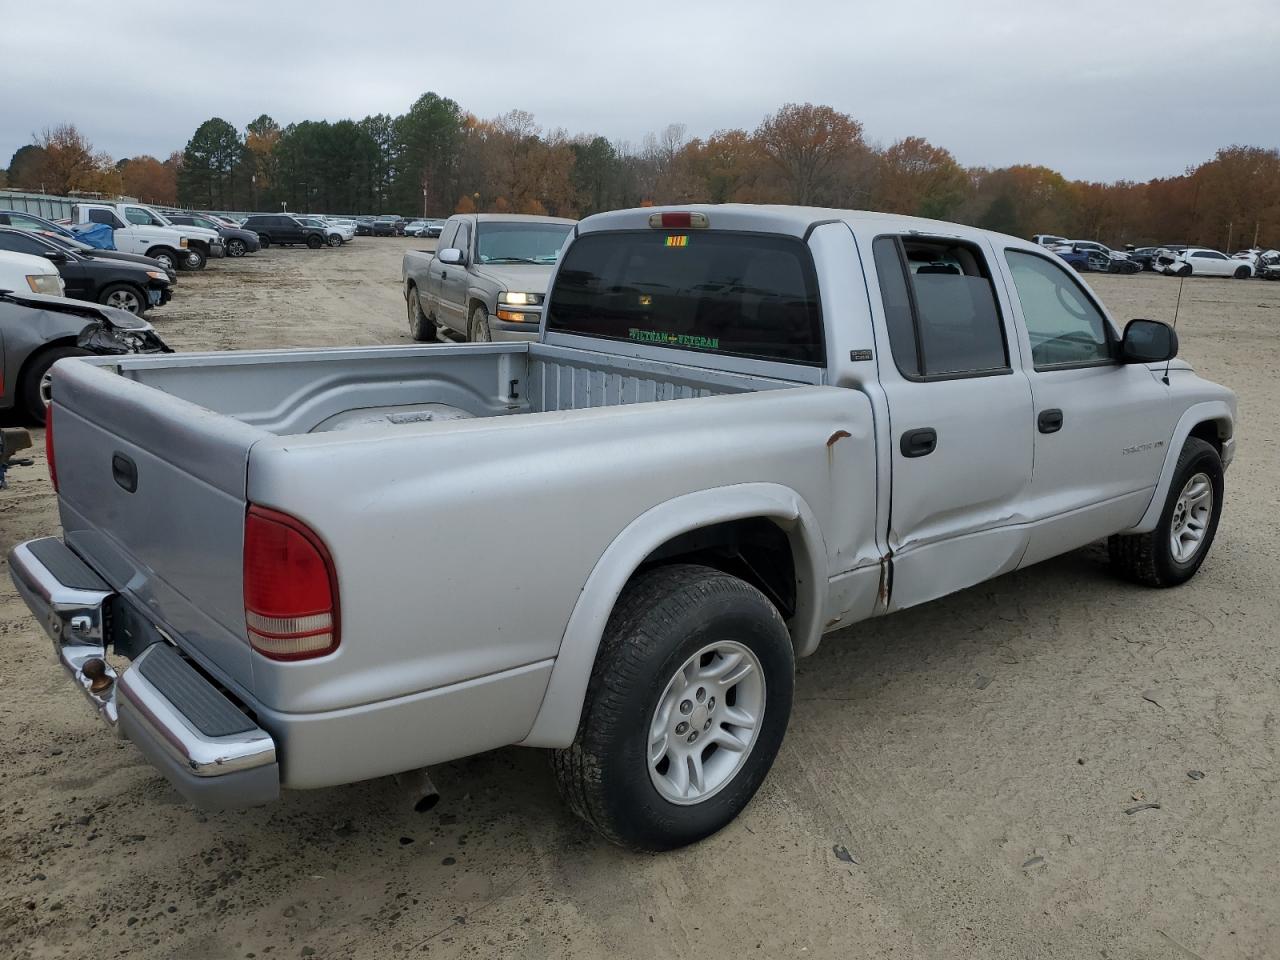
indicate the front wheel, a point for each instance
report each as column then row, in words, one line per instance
column 37, row 381
column 165, row 258
column 686, row 708
column 1172, row 553
column 1184, row 270
column 123, row 296
column 195, row 259
column 314, row 242
column 264, row 241
column 335, row 240
column 1242, row 273
column 478, row 325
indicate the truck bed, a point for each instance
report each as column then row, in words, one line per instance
column 293, row 392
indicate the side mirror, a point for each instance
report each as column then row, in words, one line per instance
column 450, row 255
column 56, row 256
column 1148, row 341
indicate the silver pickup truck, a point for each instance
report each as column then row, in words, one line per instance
column 486, row 279
column 741, row 428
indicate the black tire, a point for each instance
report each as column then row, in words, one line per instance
column 421, row 328
column 1148, row 558
column 167, row 257
column 264, row 241
column 236, row 247
column 1184, row 270
column 125, row 296
column 1242, row 273
column 663, row 617
column 314, row 241
column 335, row 240
column 478, row 329
column 29, row 388
column 194, row 259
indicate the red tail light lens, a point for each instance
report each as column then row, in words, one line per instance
column 290, row 588
column 679, row 221
column 48, row 447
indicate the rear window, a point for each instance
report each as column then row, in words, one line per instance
column 747, row 294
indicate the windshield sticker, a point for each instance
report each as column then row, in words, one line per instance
column 674, row 339
column 678, row 240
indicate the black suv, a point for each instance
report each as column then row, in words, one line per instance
column 284, row 230
column 116, row 283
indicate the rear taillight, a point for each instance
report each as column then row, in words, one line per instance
column 290, row 588
column 48, row 446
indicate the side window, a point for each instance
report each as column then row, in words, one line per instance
column 1062, row 322
column 941, row 309
column 897, row 306
column 139, row 216
column 105, row 216
column 17, row 243
column 463, row 240
column 447, row 234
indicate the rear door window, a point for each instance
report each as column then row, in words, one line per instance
column 746, row 294
column 941, row 309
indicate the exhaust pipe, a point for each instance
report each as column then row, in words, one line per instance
column 417, row 783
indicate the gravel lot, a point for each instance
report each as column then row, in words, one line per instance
column 954, row 783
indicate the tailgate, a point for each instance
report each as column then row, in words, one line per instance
column 152, row 495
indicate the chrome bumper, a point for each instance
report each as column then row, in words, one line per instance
column 209, row 749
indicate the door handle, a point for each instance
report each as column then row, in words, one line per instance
column 443, row 275
column 919, row 443
column 125, row 472
column 1049, row 421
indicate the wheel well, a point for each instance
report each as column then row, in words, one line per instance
column 473, row 302
column 756, row 550
column 162, row 249
column 1212, row 432
column 35, row 355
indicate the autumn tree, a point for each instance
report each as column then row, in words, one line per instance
column 917, row 178
column 70, row 164
column 260, row 138
column 730, row 164
column 811, row 148
column 149, row 180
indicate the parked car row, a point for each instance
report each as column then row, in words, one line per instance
column 1173, row 259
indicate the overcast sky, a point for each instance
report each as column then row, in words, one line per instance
column 1101, row 90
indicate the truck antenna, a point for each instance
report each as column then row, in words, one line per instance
column 1177, row 307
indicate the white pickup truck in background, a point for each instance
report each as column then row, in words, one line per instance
column 740, row 428
column 137, row 228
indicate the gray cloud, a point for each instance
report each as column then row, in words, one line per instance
column 1104, row 92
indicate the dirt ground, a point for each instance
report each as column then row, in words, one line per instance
column 957, row 780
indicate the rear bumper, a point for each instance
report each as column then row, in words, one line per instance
column 205, row 745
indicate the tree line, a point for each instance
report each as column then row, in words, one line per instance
column 436, row 158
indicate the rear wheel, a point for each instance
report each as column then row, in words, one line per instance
column 421, row 328
column 124, row 296
column 37, row 379
column 236, row 248
column 478, row 325
column 686, row 708
column 314, row 242
column 1172, row 553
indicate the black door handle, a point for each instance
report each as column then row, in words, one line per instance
column 125, row 472
column 919, row 443
column 1049, row 421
